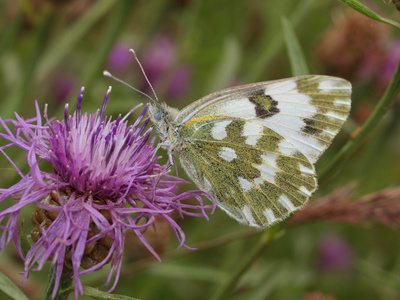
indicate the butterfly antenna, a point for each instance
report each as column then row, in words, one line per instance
column 109, row 75
column 143, row 72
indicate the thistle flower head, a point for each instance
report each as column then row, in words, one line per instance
column 104, row 181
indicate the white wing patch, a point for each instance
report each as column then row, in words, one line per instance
column 252, row 131
column 334, row 115
column 286, row 148
column 245, row 184
column 305, row 170
column 284, row 200
column 248, row 214
column 237, row 107
column 305, row 191
column 258, row 181
column 270, row 159
column 290, row 104
column 289, row 127
column 268, row 172
column 280, row 86
column 227, row 154
column 218, row 131
column 329, row 85
column 269, row 214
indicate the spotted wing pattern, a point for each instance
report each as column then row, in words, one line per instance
column 253, row 147
column 254, row 174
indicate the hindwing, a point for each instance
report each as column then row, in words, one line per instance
column 254, row 174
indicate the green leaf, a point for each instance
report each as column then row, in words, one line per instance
column 97, row 294
column 297, row 61
column 362, row 9
column 9, row 288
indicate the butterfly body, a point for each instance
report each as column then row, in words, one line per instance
column 253, row 147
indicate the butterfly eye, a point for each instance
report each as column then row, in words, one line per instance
column 157, row 115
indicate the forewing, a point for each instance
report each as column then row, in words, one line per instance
column 308, row 111
column 254, row 174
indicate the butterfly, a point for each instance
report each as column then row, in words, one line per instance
column 253, row 147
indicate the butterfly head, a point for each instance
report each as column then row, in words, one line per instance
column 163, row 118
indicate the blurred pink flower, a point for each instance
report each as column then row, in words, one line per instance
column 353, row 48
column 179, row 83
column 158, row 58
column 119, row 59
column 62, row 87
column 334, row 253
column 391, row 60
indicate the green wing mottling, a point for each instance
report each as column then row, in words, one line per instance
column 255, row 178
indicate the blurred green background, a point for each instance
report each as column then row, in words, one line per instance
column 189, row 48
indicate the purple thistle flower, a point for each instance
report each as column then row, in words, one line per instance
column 334, row 254
column 104, row 180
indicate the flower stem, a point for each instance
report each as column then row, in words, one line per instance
column 383, row 106
column 266, row 238
column 65, row 283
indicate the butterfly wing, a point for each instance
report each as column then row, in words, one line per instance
column 254, row 174
column 253, row 147
column 307, row 111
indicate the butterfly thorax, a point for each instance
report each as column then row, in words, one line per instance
column 164, row 120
